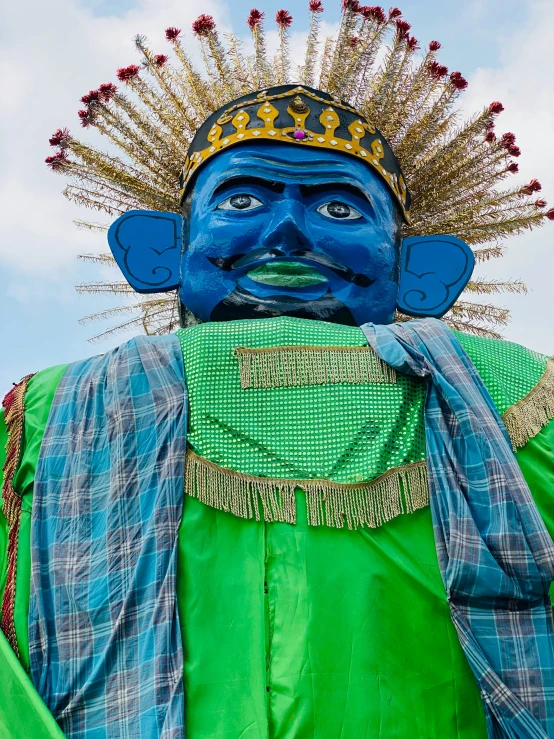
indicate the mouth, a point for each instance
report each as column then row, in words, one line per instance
column 286, row 274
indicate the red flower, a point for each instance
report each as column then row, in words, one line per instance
column 513, row 167
column 316, row 6
column 203, row 25
column 57, row 161
column 550, row 214
column 394, row 13
column 402, row 28
column 354, row 41
column 496, row 107
column 412, row 43
column 91, row 97
column 172, row 33
column 437, row 70
column 85, row 117
column 508, row 139
column 489, row 125
column 373, row 12
column 283, row 18
column 126, row 74
column 490, row 136
column 434, row 46
column 535, row 186
column 160, row 60
column 515, row 151
column 107, row 90
column 457, row 81
column 60, row 137
column 352, row 5
column 540, row 203
column 255, row 18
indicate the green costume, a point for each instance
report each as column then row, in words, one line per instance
column 292, row 629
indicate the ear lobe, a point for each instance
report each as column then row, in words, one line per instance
column 146, row 244
column 433, row 272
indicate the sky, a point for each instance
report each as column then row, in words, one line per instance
column 52, row 53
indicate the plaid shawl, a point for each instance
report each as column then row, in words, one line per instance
column 495, row 554
column 105, row 644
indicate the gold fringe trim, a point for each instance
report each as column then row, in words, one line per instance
column 14, row 406
column 401, row 490
column 297, row 366
column 528, row 416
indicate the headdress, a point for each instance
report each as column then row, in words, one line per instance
column 454, row 171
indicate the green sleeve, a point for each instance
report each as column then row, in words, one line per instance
column 22, row 711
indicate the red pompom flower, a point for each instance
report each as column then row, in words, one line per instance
column 160, row 60
column 352, row 5
column 496, row 107
column 515, row 151
column 434, row 45
column 373, row 12
column 316, row 6
column 57, row 161
column 540, row 203
column 490, row 136
column 107, row 90
column 513, row 167
column 91, row 97
column 508, row 139
column 60, row 137
column 203, row 25
column 126, row 74
column 402, row 28
column 394, row 13
column 438, row 71
column 550, row 214
column 412, row 43
column 283, row 18
column 457, row 81
column 255, row 18
column 172, row 33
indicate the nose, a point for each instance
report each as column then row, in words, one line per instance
column 287, row 228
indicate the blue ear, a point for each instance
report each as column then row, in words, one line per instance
column 146, row 244
column 433, row 272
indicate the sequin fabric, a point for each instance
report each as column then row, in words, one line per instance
column 346, row 433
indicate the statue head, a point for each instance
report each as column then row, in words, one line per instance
column 281, row 219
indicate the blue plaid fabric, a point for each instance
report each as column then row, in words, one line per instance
column 105, row 643
column 495, row 554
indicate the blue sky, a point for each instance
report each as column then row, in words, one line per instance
column 69, row 46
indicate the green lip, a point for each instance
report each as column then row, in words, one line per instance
column 287, row 274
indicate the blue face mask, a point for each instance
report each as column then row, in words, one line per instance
column 270, row 229
column 280, row 232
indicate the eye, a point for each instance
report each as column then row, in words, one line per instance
column 240, row 202
column 339, row 211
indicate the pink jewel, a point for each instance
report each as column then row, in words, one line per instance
column 299, row 135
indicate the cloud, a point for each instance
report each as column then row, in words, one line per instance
column 52, row 53
column 521, row 83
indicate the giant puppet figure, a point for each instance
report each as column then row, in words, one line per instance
column 315, row 511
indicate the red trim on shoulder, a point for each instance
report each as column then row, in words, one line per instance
column 14, row 406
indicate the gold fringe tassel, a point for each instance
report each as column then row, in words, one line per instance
column 527, row 417
column 371, row 504
column 14, row 406
column 296, row 366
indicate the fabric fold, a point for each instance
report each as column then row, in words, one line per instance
column 495, row 554
column 104, row 635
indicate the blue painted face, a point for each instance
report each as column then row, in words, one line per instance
column 279, row 231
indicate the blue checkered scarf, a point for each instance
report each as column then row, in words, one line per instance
column 495, row 554
column 105, row 644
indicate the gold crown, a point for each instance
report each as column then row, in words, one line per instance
column 373, row 153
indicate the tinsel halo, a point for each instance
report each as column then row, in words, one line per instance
column 454, row 169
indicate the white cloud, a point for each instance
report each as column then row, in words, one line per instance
column 521, row 83
column 51, row 55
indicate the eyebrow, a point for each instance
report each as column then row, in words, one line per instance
column 259, row 181
column 326, row 187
